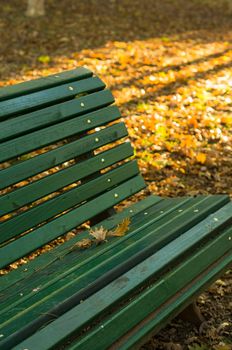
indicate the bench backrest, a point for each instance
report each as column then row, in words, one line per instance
column 56, row 171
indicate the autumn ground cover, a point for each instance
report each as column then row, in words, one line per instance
column 169, row 66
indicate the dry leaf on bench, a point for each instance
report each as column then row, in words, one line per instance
column 121, row 229
column 83, row 244
column 99, row 234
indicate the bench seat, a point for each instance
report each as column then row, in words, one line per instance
column 114, row 295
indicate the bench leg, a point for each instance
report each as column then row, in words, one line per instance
column 192, row 314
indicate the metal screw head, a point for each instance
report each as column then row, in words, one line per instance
column 131, row 211
column 109, row 180
column 56, row 76
column 116, row 195
column 196, row 210
column 145, row 213
column 102, row 160
column 82, row 104
column 96, row 139
column 70, row 88
column 215, row 219
column 89, row 121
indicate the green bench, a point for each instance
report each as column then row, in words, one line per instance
column 56, row 174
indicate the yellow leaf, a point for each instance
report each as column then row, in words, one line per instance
column 121, row 229
column 44, row 59
column 201, row 158
column 69, row 236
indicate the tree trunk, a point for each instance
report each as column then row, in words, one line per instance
column 35, row 8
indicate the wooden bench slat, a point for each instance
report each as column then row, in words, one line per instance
column 87, row 258
column 60, row 203
column 37, row 100
column 48, row 257
column 154, row 235
column 51, row 183
column 179, row 301
column 98, row 303
column 110, row 257
column 20, row 89
column 42, row 118
column 50, row 159
column 41, row 138
column 153, row 325
column 127, row 318
column 68, row 221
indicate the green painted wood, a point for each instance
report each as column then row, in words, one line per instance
column 143, row 228
column 127, row 247
column 129, row 316
column 41, row 138
column 44, row 98
column 68, row 221
column 47, row 258
column 177, row 304
column 52, row 207
column 95, row 262
column 36, row 120
column 50, row 159
column 51, row 183
column 27, row 87
column 104, row 299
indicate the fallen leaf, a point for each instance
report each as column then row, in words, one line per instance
column 121, row 229
column 83, row 244
column 99, row 234
column 201, row 158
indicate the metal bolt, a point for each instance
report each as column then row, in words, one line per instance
column 215, row 219
column 102, row 160
column 96, row 139
column 196, row 210
column 70, row 88
column 229, row 238
column 180, row 210
column 1, row 335
column 21, row 294
column 145, row 213
column 116, row 195
column 82, row 104
column 89, row 121
column 161, row 212
column 109, row 180
column 131, row 211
